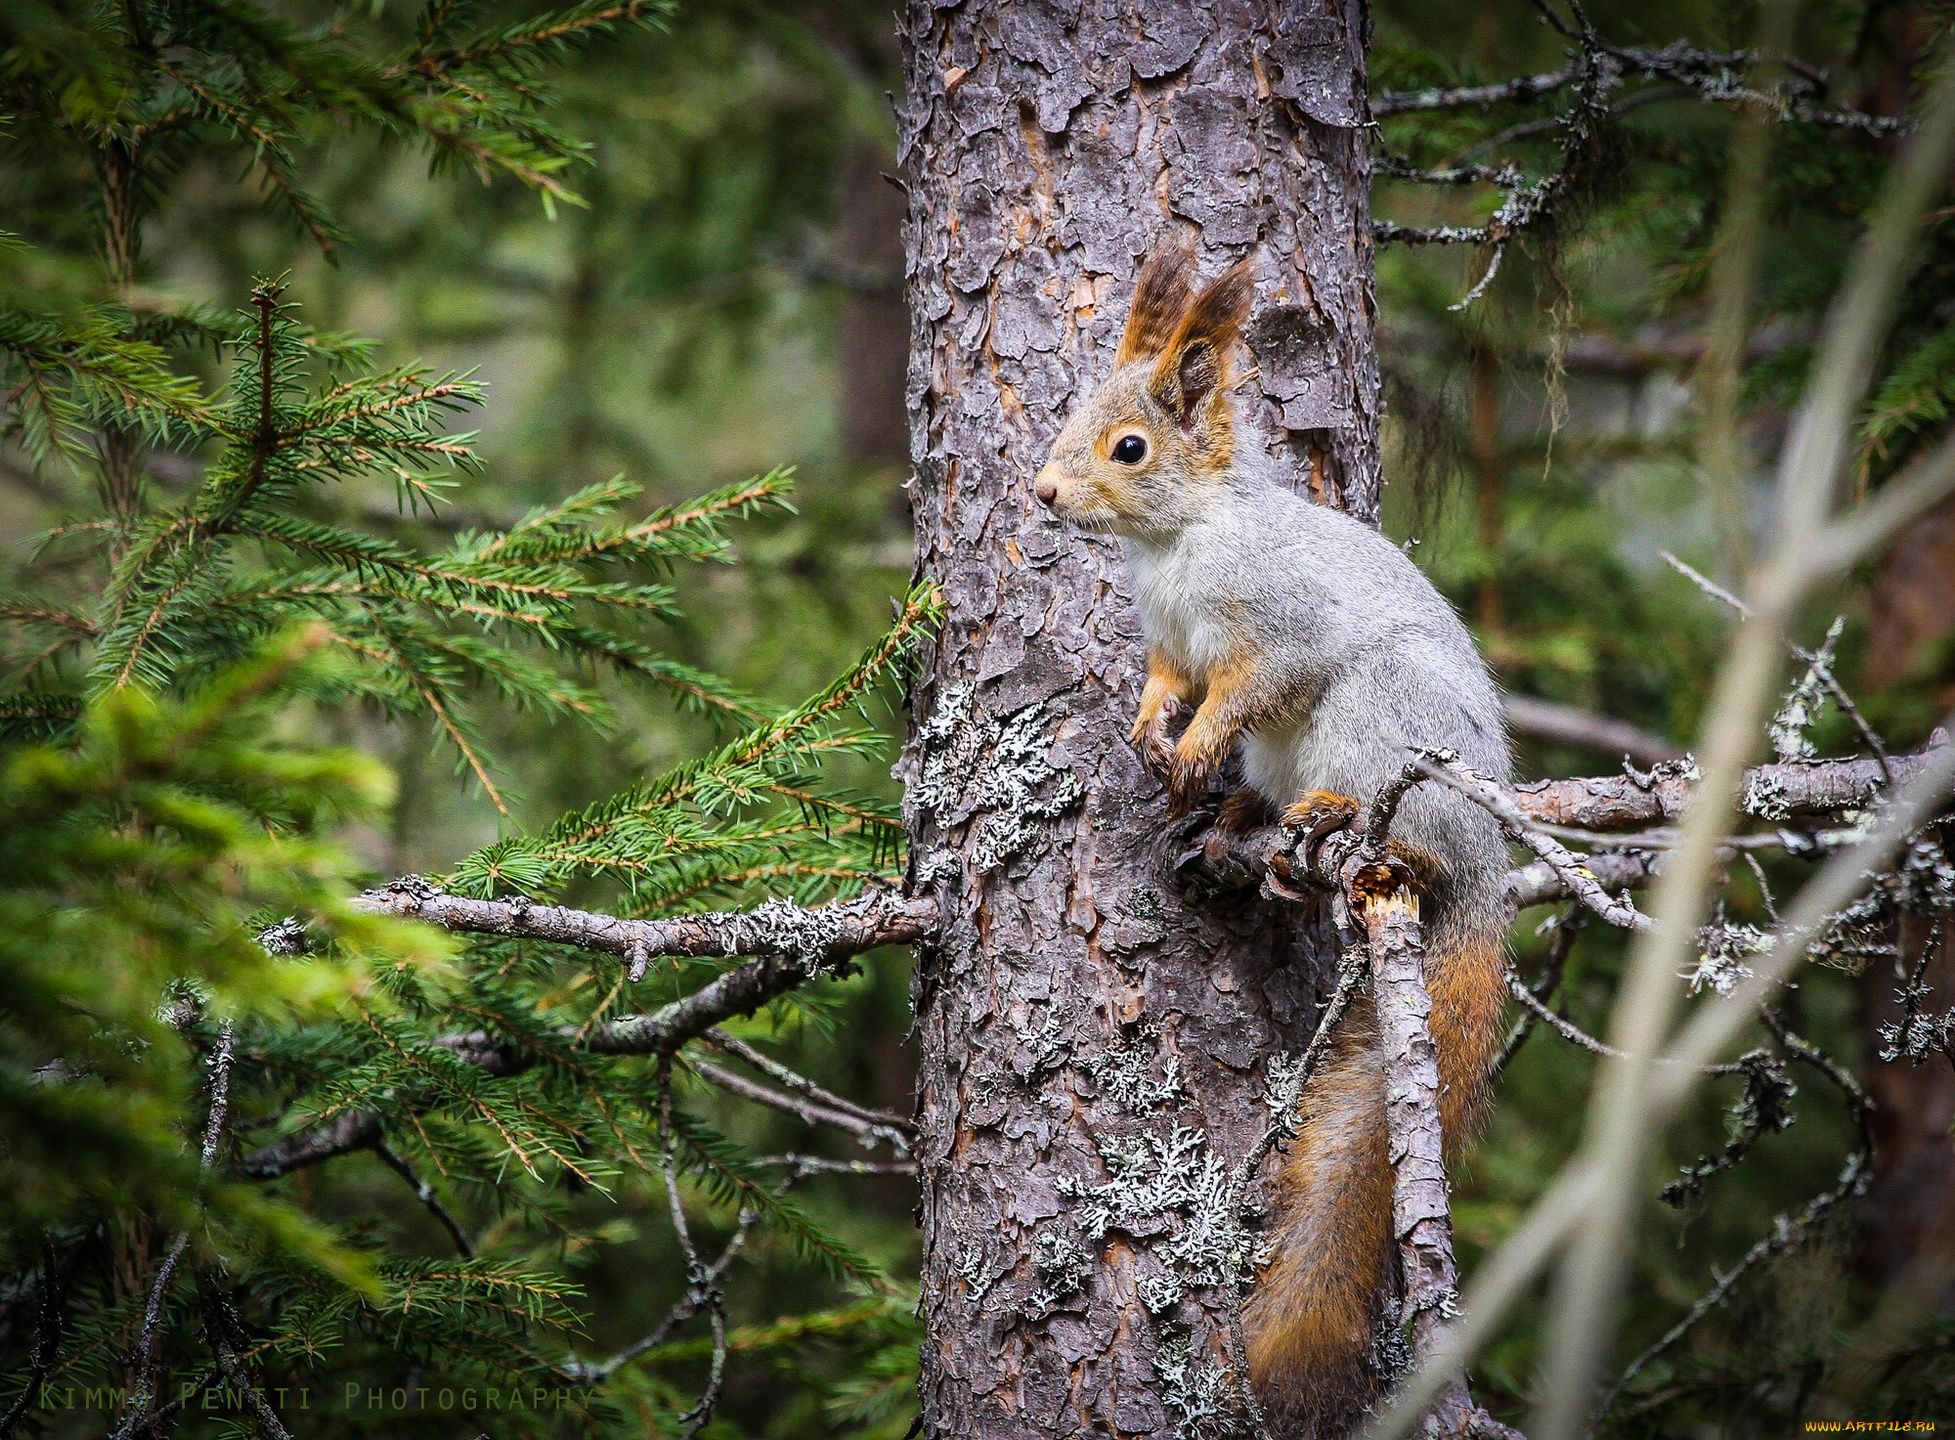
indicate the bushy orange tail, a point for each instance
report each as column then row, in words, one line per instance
column 1311, row 1320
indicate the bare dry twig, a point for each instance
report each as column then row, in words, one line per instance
column 424, row 1192
column 867, row 1131
column 732, row 1045
column 143, row 1394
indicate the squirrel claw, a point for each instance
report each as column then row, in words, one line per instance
column 1318, row 815
column 1152, row 742
column 1187, row 786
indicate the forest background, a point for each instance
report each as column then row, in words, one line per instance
column 726, row 300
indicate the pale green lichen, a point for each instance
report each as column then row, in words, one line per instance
column 992, row 770
column 1178, row 1184
column 1196, row 1392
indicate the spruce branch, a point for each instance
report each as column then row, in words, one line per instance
column 822, row 937
column 651, row 829
column 58, row 1274
column 1567, row 927
column 732, row 1045
column 425, row 1193
column 791, row 947
column 1791, row 797
column 148, row 1343
column 1788, row 1232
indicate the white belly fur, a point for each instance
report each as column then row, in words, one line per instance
column 1175, row 612
column 1271, row 764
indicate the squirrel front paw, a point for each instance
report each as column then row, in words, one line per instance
column 1188, row 783
column 1150, row 738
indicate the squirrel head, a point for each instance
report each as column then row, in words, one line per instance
column 1140, row 455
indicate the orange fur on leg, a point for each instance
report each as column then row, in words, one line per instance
column 1239, row 696
column 1313, row 805
column 1244, row 810
column 1167, row 689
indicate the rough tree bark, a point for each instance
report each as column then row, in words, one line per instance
column 1913, row 609
column 1095, row 1042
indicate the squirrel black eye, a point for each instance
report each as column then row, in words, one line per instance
column 1130, row 450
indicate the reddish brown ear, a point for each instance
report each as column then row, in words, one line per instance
column 1194, row 365
column 1160, row 300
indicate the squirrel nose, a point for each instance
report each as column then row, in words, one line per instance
column 1047, row 488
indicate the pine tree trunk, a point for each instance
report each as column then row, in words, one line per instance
column 1094, row 1040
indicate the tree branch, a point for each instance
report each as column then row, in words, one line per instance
column 1788, row 1232
column 1520, row 91
column 1709, row 75
column 57, row 1275
column 1538, row 883
column 1421, row 1213
column 342, row 1135
column 868, row 1131
column 1567, row 926
column 1778, row 791
column 1379, row 889
column 143, row 1392
column 1234, row 860
column 1445, row 767
column 424, row 1192
column 828, row 1099
column 700, row 1281
column 683, row 1309
column 823, row 936
column 792, row 945
column 1604, row 734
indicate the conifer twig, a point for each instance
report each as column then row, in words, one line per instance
column 217, row 1323
column 868, row 1131
column 1787, row 1232
column 683, row 1309
column 1580, row 1038
column 424, row 1192
column 1537, row 1010
column 1819, row 665
column 732, row 1045
column 822, row 1165
column 136, row 1416
column 1567, row 926
column 1616, row 909
column 56, row 1276
column 804, row 943
column 700, row 1281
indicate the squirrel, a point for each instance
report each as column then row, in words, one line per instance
column 1312, row 642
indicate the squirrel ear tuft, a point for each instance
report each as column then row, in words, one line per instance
column 1194, row 366
column 1161, row 298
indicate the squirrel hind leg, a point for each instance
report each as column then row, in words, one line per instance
column 1245, row 809
column 1320, row 807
